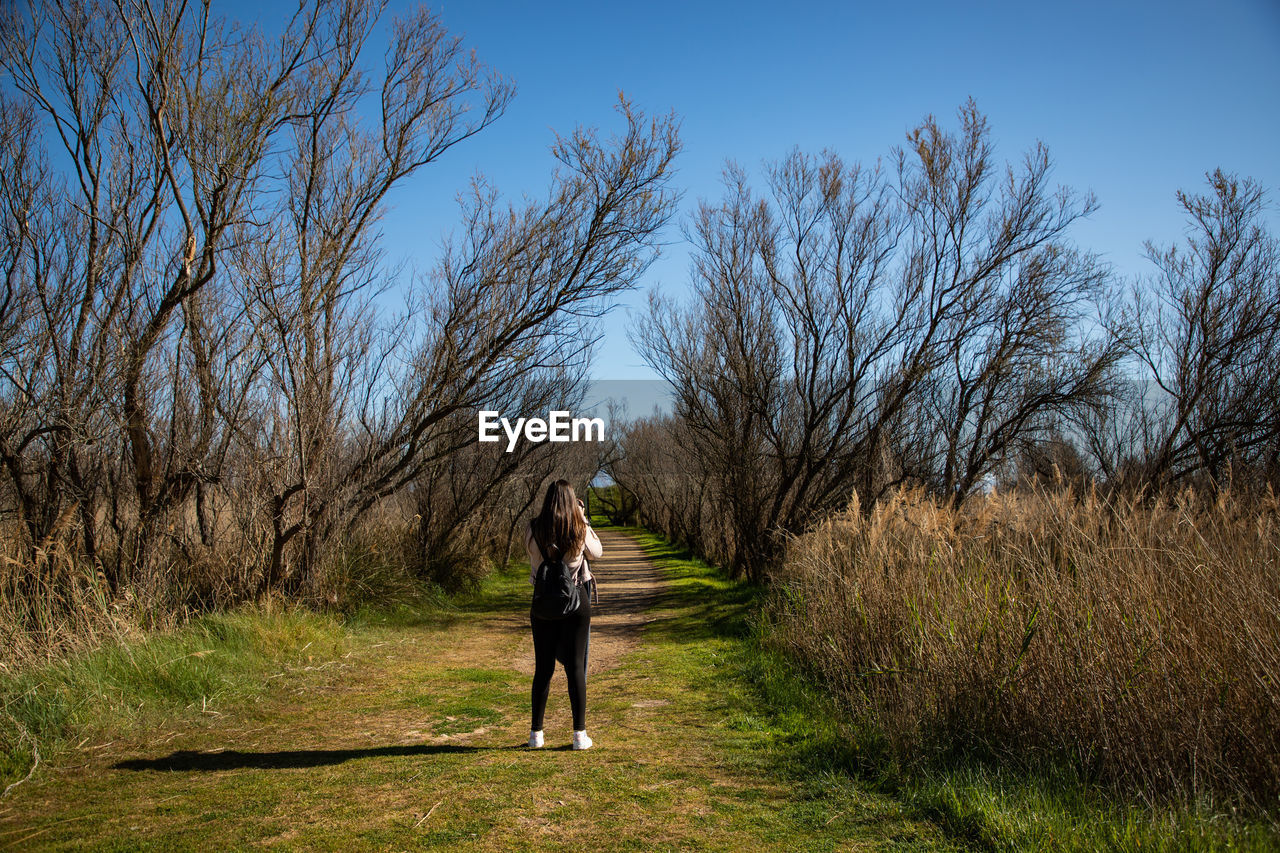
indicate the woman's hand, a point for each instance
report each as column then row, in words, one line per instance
column 582, row 512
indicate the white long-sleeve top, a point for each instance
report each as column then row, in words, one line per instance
column 578, row 562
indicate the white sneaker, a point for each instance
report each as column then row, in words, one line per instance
column 581, row 741
column 535, row 740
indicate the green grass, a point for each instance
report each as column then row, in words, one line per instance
column 814, row 745
column 402, row 726
column 213, row 660
column 407, row 731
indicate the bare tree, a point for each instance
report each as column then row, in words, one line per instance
column 54, row 369
column 511, row 300
column 190, row 354
column 852, row 331
column 314, row 267
column 662, row 485
column 1204, row 332
column 164, row 120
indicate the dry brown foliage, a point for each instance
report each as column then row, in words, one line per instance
column 203, row 399
column 1138, row 641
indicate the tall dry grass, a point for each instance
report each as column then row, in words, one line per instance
column 59, row 603
column 1137, row 643
column 49, row 606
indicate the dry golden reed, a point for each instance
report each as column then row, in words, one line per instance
column 50, row 605
column 1138, row 642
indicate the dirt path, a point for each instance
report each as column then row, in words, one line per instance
column 415, row 739
column 628, row 587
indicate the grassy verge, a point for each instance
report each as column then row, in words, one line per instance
column 414, row 739
column 400, row 726
column 215, row 661
column 814, row 746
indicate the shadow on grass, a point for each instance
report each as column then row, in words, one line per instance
column 708, row 605
column 187, row 760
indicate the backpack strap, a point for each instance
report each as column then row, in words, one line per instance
column 591, row 584
column 537, row 544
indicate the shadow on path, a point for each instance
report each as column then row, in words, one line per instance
column 187, row 760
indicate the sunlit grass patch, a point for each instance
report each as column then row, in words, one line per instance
column 214, row 659
column 419, row 743
column 778, row 720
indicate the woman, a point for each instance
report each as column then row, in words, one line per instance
column 561, row 531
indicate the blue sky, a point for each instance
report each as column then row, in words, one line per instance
column 1134, row 100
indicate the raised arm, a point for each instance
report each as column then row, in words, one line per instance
column 591, row 544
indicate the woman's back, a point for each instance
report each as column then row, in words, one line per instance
column 591, row 548
column 561, row 531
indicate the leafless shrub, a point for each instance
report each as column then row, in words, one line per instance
column 1204, row 335
column 199, row 400
column 855, row 331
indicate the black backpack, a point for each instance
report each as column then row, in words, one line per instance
column 555, row 589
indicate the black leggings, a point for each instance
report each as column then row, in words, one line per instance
column 563, row 640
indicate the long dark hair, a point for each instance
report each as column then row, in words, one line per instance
column 558, row 525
